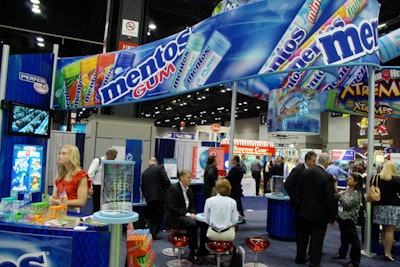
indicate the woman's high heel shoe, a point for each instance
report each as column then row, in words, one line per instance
column 386, row 258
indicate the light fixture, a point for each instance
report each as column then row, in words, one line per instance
column 152, row 26
column 36, row 2
column 36, row 9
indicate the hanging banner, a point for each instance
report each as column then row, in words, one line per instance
column 259, row 43
column 294, row 110
column 353, row 98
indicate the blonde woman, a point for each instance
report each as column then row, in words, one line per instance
column 72, row 182
column 387, row 210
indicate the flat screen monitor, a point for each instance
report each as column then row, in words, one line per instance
column 29, row 120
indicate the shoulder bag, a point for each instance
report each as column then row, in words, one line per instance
column 374, row 193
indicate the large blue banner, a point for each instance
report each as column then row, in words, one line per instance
column 24, row 249
column 259, row 44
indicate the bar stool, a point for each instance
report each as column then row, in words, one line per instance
column 256, row 244
column 219, row 247
column 173, row 252
column 178, row 240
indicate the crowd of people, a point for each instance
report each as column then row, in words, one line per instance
column 312, row 187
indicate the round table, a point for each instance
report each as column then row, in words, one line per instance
column 116, row 232
column 280, row 218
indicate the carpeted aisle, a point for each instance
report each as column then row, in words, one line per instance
column 279, row 254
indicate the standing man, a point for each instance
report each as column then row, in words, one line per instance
column 336, row 171
column 276, row 169
column 318, row 207
column 96, row 174
column 242, row 164
column 180, row 211
column 292, row 186
column 256, row 168
column 267, row 167
column 351, row 168
column 235, row 176
column 155, row 183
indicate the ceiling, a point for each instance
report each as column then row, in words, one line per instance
column 78, row 27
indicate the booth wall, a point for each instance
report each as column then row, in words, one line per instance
column 103, row 132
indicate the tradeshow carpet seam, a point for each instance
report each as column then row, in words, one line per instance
column 280, row 253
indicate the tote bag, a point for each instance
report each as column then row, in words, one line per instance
column 374, row 193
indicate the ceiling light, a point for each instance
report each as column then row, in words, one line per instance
column 40, row 44
column 40, row 39
column 223, row 91
column 36, row 2
column 152, row 26
column 35, row 9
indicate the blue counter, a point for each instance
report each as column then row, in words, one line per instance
column 58, row 245
column 280, row 218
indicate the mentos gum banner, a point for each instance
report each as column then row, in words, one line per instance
column 353, row 98
column 262, row 45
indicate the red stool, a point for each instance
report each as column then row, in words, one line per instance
column 219, row 247
column 173, row 252
column 257, row 244
column 178, row 240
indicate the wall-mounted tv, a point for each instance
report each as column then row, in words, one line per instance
column 29, row 120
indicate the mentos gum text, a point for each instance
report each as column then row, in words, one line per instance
column 105, row 66
column 192, row 50
column 72, row 76
column 88, row 76
column 208, row 60
column 295, row 34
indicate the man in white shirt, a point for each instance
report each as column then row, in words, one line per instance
column 96, row 174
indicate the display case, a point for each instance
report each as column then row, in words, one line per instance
column 117, row 188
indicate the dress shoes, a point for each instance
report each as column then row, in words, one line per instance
column 195, row 260
column 338, row 257
column 300, row 261
column 156, row 237
column 350, row 264
column 386, row 258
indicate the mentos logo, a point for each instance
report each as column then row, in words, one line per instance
column 341, row 45
column 26, row 260
column 149, row 74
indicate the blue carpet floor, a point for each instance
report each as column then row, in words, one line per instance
column 280, row 253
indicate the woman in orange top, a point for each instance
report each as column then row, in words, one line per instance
column 72, row 182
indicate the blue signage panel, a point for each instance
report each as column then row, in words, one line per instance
column 24, row 250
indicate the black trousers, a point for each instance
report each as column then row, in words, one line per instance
column 349, row 236
column 155, row 212
column 190, row 225
column 315, row 233
column 96, row 197
column 257, row 176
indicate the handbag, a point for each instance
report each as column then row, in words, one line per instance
column 374, row 193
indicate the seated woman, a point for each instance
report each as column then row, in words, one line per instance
column 220, row 213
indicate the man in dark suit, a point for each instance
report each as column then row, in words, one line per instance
column 317, row 208
column 235, row 176
column 292, row 186
column 181, row 213
column 155, row 183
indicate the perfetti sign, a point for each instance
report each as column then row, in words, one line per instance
column 258, row 44
column 353, row 98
